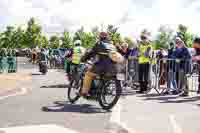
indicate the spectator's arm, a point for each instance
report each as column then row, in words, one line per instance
column 196, row 58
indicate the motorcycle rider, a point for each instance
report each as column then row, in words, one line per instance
column 77, row 53
column 103, row 63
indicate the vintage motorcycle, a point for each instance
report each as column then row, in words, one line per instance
column 106, row 88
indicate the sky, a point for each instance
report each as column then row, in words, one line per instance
column 131, row 16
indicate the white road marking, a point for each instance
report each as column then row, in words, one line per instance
column 22, row 92
column 38, row 129
column 175, row 125
column 116, row 118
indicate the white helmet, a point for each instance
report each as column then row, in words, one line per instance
column 77, row 42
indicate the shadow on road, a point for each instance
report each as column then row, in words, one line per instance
column 36, row 74
column 169, row 99
column 128, row 92
column 61, row 106
column 56, row 86
column 150, row 95
column 185, row 100
column 162, row 98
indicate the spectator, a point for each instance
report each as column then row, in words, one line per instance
column 133, row 61
column 182, row 57
column 171, row 76
column 68, row 58
column 123, row 49
column 162, row 73
column 145, row 49
column 34, row 56
column 196, row 57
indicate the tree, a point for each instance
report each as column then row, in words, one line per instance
column 54, row 42
column 88, row 39
column 66, row 40
column 79, row 34
column 95, row 32
column 7, row 37
column 33, row 34
column 163, row 38
column 18, row 38
column 44, row 42
column 185, row 35
column 115, row 36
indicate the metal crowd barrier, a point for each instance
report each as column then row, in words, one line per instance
column 166, row 74
column 175, row 74
column 8, row 64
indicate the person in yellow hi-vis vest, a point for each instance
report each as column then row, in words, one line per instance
column 145, row 49
column 77, row 53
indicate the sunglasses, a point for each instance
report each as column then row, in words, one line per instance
column 144, row 38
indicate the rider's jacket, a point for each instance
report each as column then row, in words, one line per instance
column 78, row 52
column 101, row 52
column 144, row 53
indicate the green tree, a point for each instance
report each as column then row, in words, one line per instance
column 185, row 35
column 115, row 36
column 44, row 42
column 95, row 32
column 66, row 40
column 54, row 42
column 163, row 38
column 7, row 37
column 18, row 38
column 33, row 34
column 88, row 39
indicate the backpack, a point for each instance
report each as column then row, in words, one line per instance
column 112, row 52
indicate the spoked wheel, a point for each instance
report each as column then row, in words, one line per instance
column 73, row 91
column 109, row 94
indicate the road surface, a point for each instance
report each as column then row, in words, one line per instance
column 25, row 111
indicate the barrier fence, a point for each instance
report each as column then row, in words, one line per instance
column 167, row 74
column 8, row 64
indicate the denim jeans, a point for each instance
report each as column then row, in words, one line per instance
column 172, row 83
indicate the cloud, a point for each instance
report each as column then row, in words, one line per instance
column 130, row 15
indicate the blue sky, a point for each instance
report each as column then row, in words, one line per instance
column 130, row 15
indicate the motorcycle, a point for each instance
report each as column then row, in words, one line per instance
column 43, row 67
column 103, row 86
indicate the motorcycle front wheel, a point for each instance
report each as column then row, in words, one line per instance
column 109, row 94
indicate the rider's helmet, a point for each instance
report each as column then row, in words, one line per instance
column 103, row 36
column 77, row 43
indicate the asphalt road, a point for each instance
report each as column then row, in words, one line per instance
column 134, row 113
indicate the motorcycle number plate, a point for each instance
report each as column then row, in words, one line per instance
column 120, row 76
